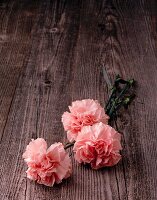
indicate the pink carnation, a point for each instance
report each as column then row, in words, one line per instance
column 47, row 166
column 98, row 145
column 82, row 113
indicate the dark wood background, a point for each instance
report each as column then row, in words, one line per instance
column 53, row 52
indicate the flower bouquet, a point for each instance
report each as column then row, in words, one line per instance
column 92, row 138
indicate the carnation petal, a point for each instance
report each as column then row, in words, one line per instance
column 47, row 166
column 98, row 145
column 83, row 113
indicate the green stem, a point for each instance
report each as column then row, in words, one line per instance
column 113, row 91
column 115, row 102
column 67, row 145
column 111, row 96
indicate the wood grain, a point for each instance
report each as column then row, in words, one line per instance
column 53, row 52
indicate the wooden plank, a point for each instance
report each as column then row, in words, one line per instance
column 131, row 50
column 56, row 50
column 15, row 44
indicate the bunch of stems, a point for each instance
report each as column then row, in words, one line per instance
column 120, row 96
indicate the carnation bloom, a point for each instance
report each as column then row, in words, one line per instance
column 47, row 166
column 82, row 113
column 98, row 145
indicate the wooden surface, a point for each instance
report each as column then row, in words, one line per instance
column 52, row 52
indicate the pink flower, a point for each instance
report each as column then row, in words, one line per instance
column 98, row 145
column 82, row 113
column 47, row 166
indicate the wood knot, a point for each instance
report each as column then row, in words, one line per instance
column 54, row 30
column 109, row 26
column 47, row 78
column 48, row 82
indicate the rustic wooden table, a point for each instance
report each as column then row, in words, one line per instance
column 53, row 52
